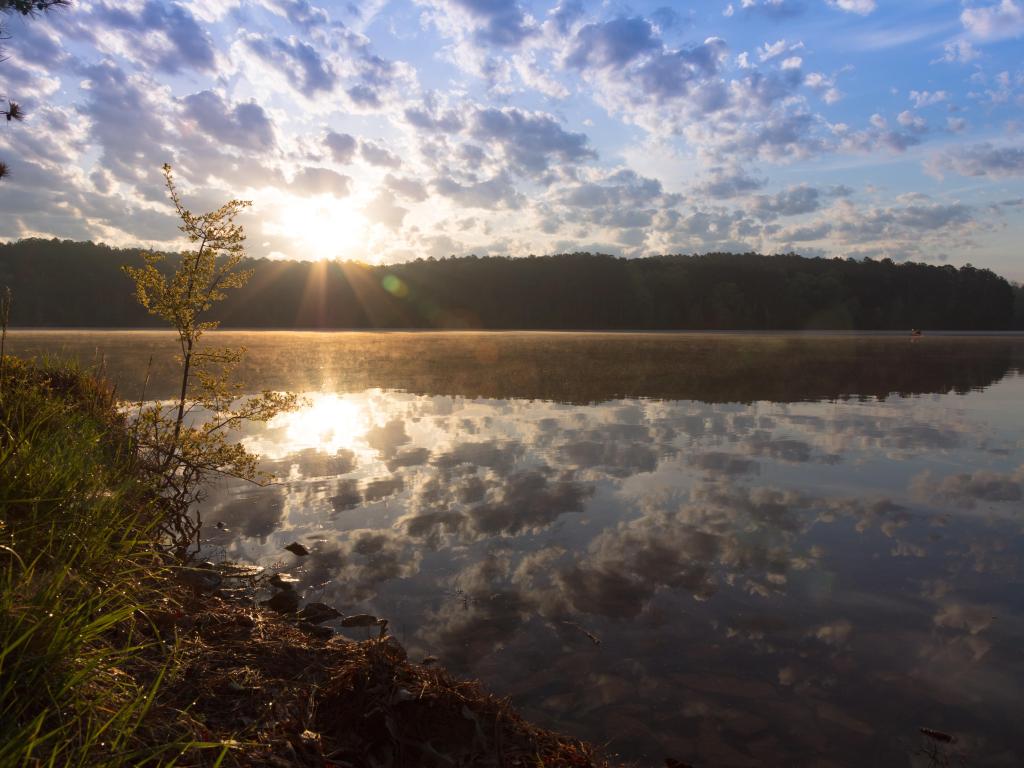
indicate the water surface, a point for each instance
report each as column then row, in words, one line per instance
column 793, row 550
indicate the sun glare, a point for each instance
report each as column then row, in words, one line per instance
column 321, row 228
column 328, row 423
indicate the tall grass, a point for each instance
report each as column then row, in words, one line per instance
column 79, row 665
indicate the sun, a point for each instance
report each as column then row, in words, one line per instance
column 321, row 227
column 328, row 422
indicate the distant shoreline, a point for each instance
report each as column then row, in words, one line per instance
column 898, row 333
column 81, row 285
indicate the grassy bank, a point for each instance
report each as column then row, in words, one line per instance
column 105, row 660
column 77, row 572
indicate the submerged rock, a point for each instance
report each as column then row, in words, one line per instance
column 317, row 613
column 283, row 581
column 200, row 579
column 286, row 601
column 315, row 629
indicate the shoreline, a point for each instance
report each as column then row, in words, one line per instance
column 897, row 333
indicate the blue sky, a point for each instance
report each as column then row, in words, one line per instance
column 386, row 130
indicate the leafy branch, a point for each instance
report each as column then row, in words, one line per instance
column 183, row 441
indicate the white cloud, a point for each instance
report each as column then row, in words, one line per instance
column 958, row 52
column 863, row 7
column 994, row 22
column 985, row 159
column 771, row 50
column 928, row 98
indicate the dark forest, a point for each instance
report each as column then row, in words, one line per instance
column 71, row 284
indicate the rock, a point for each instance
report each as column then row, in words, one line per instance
column 283, row 581
column 315, row 629
column 297, row 549
column 200, row 579
column 285, row 601
column 428, row 660
column 317, row 613
column 360, row 620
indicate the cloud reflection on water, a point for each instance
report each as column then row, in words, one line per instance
column 776, row 580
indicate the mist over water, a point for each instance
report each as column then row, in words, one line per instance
column 793, row 550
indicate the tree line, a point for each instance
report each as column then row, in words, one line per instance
column 79, row 284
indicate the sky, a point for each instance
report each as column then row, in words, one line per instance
column 388, row 130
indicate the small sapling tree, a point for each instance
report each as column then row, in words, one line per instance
column 184, row 441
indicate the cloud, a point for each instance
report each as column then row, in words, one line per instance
column 387, row 438
column 408, row 457
column 862, row 7
column 495, row 193
column 306, row 71
column 613, row 43
column 789, row 202
column 619, row 189
column 613, row 457
column 824, row 86
column 565, row 14
column 163, row 35
column 384, row 210
column 973, row 619
column 729, row 182
column 501, row 23
column 720, row 463
column 928, row 98
column 836, row 633
column 958, row 51
column 489, row 453
column 985, row 159
column 880, row 135
column 245, row 125
column 377, row 155
column 693, row 548
column 301, row 13
column 456, row 501
column 311, row 462
column 912, row 122
column 968, row 489
column 342, row 147
column 530, row 141
column 321, row 181
column 994, row 22
column 905, row 220
column 773, row 9
column 527, row 500
column 428, row 120
column 127, row 122
column 636, row 75
column 780, row 135
column 411, row 189
column 803, row 234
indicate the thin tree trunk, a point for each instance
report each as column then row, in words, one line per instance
column 184, row 392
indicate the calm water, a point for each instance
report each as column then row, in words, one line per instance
column 793, row 550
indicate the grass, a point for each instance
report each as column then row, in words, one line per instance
column 106, row 661
column 77, row 571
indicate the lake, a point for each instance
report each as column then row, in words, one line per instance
column 729, row 549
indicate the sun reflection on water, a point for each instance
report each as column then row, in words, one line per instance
column 327, row 422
